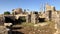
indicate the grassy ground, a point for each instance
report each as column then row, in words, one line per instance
column 28, row 28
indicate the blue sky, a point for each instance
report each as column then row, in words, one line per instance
column 8, row 5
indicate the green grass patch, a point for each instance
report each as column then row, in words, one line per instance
column 27, row 24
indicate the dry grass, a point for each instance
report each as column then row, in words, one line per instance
column 47, row 29
column 28, row 28
column 27, row 24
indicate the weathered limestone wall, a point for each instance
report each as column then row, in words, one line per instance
column 58, row 22
column 54, row 16
column 48, row 7
column 28, row 18
column 2, row 20
column 48, row 15
column 3, row 30
column 56, row 19
column 34, row 18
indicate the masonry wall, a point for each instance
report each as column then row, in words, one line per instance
column 2, row 20
column 34, row 18
column 54, row 16
column 3, row 30
column 58, row 21
column 28, row 18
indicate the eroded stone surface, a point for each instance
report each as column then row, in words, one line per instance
column 3, row 30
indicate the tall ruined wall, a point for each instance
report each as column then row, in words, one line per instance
column 50, row 13
column 34, row 17
column 48, row 7
column 58, row 21
column 54, row 16
column 2, row 20
column 28, row 18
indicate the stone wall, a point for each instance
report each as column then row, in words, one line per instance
column 48, row 7
column 2, row 20
column 3, row 30
column 34, row 18
column 54, row 16
column 50, row 13
column 28, row 18
column 58, row 22
column 48, row 16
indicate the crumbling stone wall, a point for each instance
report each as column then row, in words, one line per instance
column 48, row 16
column 54, row 16
column 2, row 20
column 3, row 30
column 28, row 18
column 58, row 22
column 34, row 18
column 50, row 13
column 48, row 7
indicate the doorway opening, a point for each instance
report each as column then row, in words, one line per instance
column 41, row 19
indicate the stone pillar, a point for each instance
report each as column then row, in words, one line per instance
column 34, row 18
column 58, row 23
column 28, row 18
column 54, row 16
column 48, row 15
column 2, row 20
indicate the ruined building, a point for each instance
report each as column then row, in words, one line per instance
column 18, row 15
column 50, row 14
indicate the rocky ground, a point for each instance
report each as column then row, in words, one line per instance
column 29, row 28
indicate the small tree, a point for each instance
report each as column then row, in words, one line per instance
column 7, row 13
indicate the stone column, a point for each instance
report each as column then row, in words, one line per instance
column 58, row 23
column 34, row 18
column 28, row 18
column 48, row 15
column 2, row 20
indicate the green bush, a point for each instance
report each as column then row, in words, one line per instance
column 6, row 13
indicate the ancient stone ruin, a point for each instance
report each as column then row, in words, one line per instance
column 50, row 14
